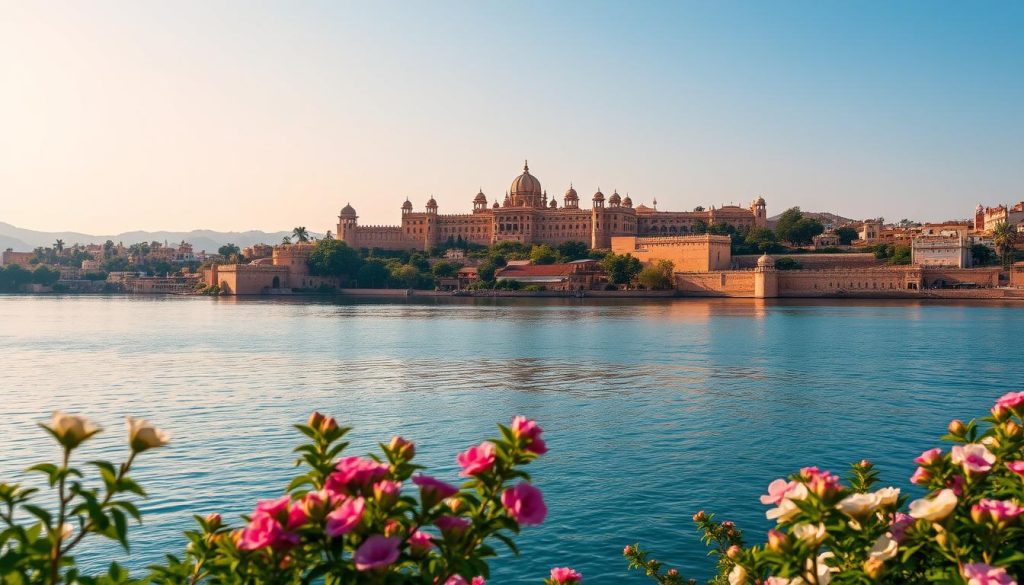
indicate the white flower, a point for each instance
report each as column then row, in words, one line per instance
column 884, row 548
column 812, row 534
column 859, row 505
column 819, row 572
column 70, row 429
column 887, row 496
column 142, row 435
column 738, row 576
column 934, row 509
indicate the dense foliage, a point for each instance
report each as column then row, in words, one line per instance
column 343, row 519
column 966, row 530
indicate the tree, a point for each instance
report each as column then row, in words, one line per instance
column 657, row 276
column 572, row 250
column 59, row 246
column 485, row 271
column 1004, row 236
column 328, row 235
column 901, row 255
column 227, row 250
column 445, row 269
column 108, row 248
column 13, row 277
column 793, row 227
column 699, row 227
column 543, row 254
column 45, row 276
column 372, row 274
column 301, row 234
column 621, row 269
column 847, row 234
column 286, row 240
column 406, row 275
column 982, row 255
column 334, row 258
column 787, row 263
column 762, row 240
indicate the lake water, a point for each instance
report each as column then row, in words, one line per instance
column 652, row 410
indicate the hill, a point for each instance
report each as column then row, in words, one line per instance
column 23, row 240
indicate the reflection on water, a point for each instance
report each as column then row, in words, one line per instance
column 653, row 409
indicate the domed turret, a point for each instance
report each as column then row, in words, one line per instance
column 431, row 205
column 553, row 204
column 348, row 211
column 627, row 202
column 407, row 206
column 480, row 197
column 495, row 206
column 599, row 196
column 615, row 200
column 765, row 261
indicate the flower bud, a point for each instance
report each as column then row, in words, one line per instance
column 402, row 449
column 315, row 420
column 942, row 539
column 627, row 551
column 957, row 428
column 864, row 463
column 328, row 424
column 71, row 430
column 386, row 493
column 873, row 568
column 1001, row 413
column 1012, row 428
column 777, row 541
column 392, row 527
column 454, row 504
column 977, row 514
column 700, row 516
column 733, row 551
column 213, row 522
column 143, row 436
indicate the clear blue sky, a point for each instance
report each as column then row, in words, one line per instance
column 225, row 115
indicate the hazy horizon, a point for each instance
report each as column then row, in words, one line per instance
column 235, row 116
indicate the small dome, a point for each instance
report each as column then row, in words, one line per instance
column 553, row 204
column 348, row 211
column 431, row 202
column 571, row 194
column 627, row 202
column 599, row 196
column 407, row 204
column 495, row 206
column 765, row 261
column 615, row 199
column 480, row 197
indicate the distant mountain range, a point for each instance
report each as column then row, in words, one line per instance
column 22, row 240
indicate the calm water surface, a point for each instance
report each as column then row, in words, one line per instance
column 652, row 410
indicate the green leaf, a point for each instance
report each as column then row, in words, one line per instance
column 40, row 513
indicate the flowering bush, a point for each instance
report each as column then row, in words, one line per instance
column 967, row 529
column 344, row 519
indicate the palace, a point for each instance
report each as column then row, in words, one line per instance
column 527, row 215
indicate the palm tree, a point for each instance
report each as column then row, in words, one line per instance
column 59, row 245
column 286, row 240
column 1004, row 236
column 300, row 234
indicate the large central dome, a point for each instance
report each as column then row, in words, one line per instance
column 526, row 191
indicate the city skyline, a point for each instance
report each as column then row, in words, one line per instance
column 232, row 116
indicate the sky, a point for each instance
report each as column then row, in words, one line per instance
column 183, row 115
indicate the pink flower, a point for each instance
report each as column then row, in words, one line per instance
column 974, row 457
column 386, row 492
column 460, row 580
column 982, row 574
column 1016, row 467
column 898, row 524
column 997, row 510
column 529, row 431
column 346, row 517
column 1010, row 400
column 377, row 551
column 420, row 542
column 818, row 481
column 524, row 504
column 452, row 525
column 565, row 576
column 778, row 490
column 433, row 490
column 921, row 476
column 351, row 474
column 269, row 522
column 928, row 457
column 476, row 460
column 956, row 483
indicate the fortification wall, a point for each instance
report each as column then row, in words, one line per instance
column 815, row 261
column 725, row 283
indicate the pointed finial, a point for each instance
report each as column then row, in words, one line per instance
column 526, row 165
